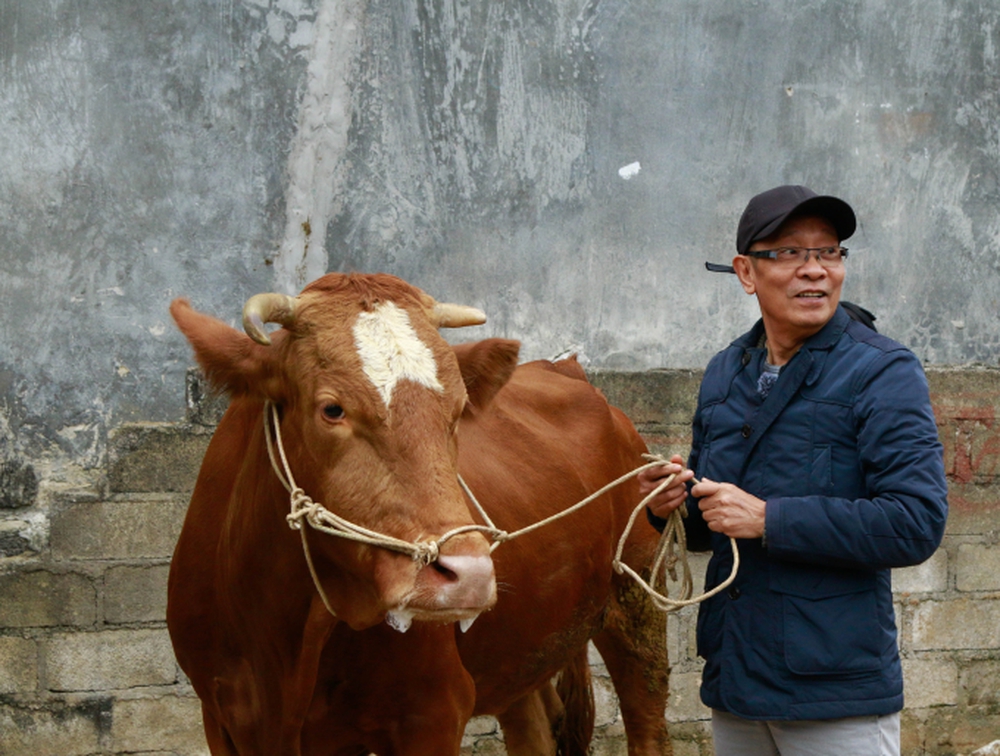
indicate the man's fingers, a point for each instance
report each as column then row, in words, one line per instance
column 705, row 487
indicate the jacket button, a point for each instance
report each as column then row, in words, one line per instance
column 747, row 431
column 746, row 359
column 734, row 593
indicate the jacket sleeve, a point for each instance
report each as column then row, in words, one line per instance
column 900, row 520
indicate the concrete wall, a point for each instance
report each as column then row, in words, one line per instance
column 86, row 665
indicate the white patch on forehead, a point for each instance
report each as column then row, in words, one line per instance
column 391, row 351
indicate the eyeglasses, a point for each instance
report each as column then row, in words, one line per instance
column 828, row 257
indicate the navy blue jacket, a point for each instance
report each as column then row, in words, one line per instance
column 845, row 452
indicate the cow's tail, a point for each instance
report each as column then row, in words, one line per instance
column 577, row 726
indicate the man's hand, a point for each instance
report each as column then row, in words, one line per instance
column 730, row 510
column 671, row 497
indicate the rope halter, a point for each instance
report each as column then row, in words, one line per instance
column 305, row 510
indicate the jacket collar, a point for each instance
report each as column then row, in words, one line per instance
column 804, row 363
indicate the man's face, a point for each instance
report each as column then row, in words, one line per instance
column 795, row 302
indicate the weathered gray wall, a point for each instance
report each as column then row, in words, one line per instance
column 214, row 149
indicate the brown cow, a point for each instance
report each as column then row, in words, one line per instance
column 377, row 416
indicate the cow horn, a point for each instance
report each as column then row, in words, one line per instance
column 445, row 315
column 267, row 308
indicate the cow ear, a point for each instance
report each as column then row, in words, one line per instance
column 232, row 362
column 486, row 366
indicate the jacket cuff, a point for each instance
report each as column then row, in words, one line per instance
column 770, row 521
column 657, row 522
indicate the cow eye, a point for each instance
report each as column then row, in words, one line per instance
column 333, row 412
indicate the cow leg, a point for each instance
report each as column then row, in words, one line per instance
column 219, row 742
column 527, row 723
column 633, row 644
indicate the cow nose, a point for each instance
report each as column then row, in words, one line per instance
column 464, row 581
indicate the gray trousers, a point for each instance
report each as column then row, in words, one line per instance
column 852, row 736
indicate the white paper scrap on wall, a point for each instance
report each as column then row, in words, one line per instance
column 630, row 170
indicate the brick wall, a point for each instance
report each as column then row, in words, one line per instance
column 86, row 665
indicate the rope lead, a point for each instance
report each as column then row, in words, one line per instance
column 303, row 508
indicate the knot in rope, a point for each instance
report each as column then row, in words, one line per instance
column 427, row 552
column 303, row 508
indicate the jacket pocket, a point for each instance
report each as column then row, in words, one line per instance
column 821, row 470
column 830, row 621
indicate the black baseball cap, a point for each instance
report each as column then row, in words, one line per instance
column 768, row 210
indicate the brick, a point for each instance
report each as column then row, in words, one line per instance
column 681, row 625
column 971, row 449
column 66, row 730
column 654, row 397
column 931, row 576
column 594, row 660
column 682, row 640
column 609, row 742
column 952, row 731
column 12, row 543
column 984, row 449
column 978, row 567
column 489, row 746
column 18, row 484
column 484, row 725
column 685, row 703
column 973, row 508
column 691, row 738
column 667, row 445
column 972, row 392
column 18, row 665
column 169, row 723
column 110, row 660
column 204, row 407
column 686, row 748
column 46, row 599
column 930, row 682
column 135, row 594
column 148, row 457
column 911, row 733
column 953, row 439
column 141, row 528
column 958, row 624
column 966, row 403
column 605, row 702
column 979, row 682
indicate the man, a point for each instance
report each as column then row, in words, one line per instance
column 815, row 446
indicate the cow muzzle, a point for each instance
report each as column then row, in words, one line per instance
column 461, row 582
column 453, row 588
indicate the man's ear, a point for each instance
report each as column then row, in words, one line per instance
column 745, row 272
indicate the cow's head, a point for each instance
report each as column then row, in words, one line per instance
column 369, row 397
